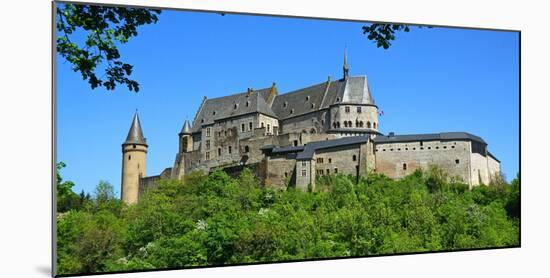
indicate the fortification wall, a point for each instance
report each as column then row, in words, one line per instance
column 397, row 160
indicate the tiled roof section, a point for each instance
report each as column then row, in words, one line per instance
column 186, row 129
column 311, row 147
column 352, row 90
column 135, row 134
column 429, row 137
column 224, row 107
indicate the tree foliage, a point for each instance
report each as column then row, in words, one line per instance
column 219, row 220
column 105, row 29
column 383, row 34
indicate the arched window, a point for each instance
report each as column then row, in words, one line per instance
column 354, row 157
column 374, row 125
column 246, row 149
column 219, row 151
column 345, row 124
column 368, row 124
column 360, row 123
column 338, row 124
column 334, row 124
column 350, row 124
column 404, row 166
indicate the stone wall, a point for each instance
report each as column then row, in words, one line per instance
column 397, row 160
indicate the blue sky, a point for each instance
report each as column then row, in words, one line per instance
column 430, row 80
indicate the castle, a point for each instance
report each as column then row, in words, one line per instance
column 289, row 139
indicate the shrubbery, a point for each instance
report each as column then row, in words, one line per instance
column 216, row 220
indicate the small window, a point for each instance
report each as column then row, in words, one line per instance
column 368, row 125
column 312, row 105
column 336, row 170
column 243, row 127
column 129, row 157
column 304, row 172
column 452, row 147
column 319, row 160
column 347, row 109
column 358, row 109
column 207, row 156
column 307, row 98
column 268, row 128
column 207, row 144
column 262, row 125
column 374, row 125
column 437, row 147
column 207, row 132
column 328, row 171
column 404, row 166
column 457, row 161
column 399, row 149
column 304, row 164
column 250, row 126
column 229, row 149
column 247, row 103
column 421, row 148
column 354, row 158
column 421, row 143
column 285, row 104
column 414, row 149
column 286, row 174
column 246, row 149
column 337, row 99
column 429, row 148
column 295, row 143
column 219, row 151
column 235, row 106
column 406, row 149
column 330, row 160
column 292, row 111
column 383, row 150
column 225, row 132
column 213, row 112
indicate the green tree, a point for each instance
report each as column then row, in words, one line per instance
column 105, row 29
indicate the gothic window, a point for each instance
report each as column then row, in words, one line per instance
column 328, row 171
column 337, row 99
column 286, row 174
column 358, row 109
column 347, row 109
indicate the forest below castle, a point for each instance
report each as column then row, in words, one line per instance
column 215, row 219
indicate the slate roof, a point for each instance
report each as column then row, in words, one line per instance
column 429, row 137
column 310, row 99
column 312, row 147
column 135, row 134
column 224, row 107
column 313, row 98
column 186, row 129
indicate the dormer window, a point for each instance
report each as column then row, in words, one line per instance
column 235, row 106
column 202, row 121
column 247, row 103
column 291, row 111
column 312, row 105
column 337, row 99
column 307, row 98
column 285, row 104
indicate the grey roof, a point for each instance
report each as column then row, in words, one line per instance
column 288, row 149
column 312, row 147
column 313, row 98
column 186, row 129
column 224, row 107
column 429, row 137
column 354, row 130
column 494, row 157
column 135, row 135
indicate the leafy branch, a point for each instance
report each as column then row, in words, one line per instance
column 105, row 28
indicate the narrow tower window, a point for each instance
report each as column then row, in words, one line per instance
column 354, row 158
column 129, row 157
column 404, row 166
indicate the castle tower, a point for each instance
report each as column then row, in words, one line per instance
column 134, row 154
column 186, row 141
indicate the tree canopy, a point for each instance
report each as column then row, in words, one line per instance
column 105, row 28
column 220, row 220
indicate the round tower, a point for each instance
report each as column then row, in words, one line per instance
column 134, row 155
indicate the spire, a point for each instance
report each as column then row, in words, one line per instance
column 186, row 128
column 135, row 135
column 346, row 65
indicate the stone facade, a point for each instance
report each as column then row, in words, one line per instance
column 290, row 139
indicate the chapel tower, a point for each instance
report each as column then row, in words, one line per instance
column 134, row 155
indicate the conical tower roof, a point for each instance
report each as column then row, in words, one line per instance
column 186, row 128
column 135, row 135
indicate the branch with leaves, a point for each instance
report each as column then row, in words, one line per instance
column 383, row 34
column 105, row 28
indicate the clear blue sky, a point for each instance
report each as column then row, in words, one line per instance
column 430, row 80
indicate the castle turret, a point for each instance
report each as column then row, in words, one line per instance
column 186, row 140
column 134, row 155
